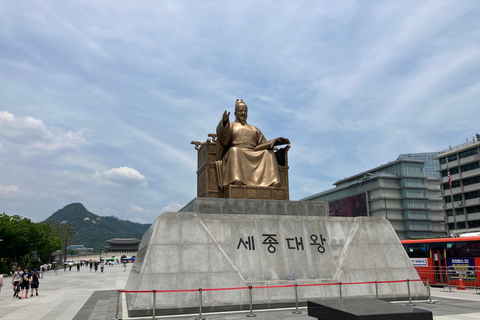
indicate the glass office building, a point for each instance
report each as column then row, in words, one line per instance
column 401, row 191
column 430, row 159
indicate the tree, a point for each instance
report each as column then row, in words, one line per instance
column 65, row 233
column 22, row 237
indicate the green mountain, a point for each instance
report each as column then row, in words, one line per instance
column 92, row 230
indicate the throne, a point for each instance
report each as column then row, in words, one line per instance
column 207, row 182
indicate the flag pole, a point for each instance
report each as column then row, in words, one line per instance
column 451, row 195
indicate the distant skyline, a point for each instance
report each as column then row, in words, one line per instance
column 99, row 100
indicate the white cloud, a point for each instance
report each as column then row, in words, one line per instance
column 137, row 220
column 35, row 138
column 141, row 214
column 122, row 176
column 172, row 207
column 10, row 191
column 136, row 209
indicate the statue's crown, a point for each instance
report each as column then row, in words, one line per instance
column 239, row 103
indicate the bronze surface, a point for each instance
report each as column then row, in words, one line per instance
column 238, row 162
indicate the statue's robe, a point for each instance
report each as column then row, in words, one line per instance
column 241, row 165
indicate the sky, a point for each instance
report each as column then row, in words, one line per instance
column 99, row 100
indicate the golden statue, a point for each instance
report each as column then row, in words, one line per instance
column 248, row 158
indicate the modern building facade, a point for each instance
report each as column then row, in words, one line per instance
column 400, row 191
column 431, row 162
column 464, row 164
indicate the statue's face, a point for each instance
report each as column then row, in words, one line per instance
column 241, row 113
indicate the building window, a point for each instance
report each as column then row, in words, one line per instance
column 419, row 234
column 414, row 183
column 468, row 153
column 453, row 157
column 452, row 171
column 471, row 180
column 470, row 166
column 416, row 204
column 458, row 211
column 418, row 225
column 461, row 225
column 456, row 197
column 473, row 209
column 472, row 195
column 455, row 184
column 474, row 224
column 416, row 214
column 414, row 193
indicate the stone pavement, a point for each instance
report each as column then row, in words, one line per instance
column 69, row 295
column 92, row 296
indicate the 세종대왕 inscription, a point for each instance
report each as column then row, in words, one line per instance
column 271, row 242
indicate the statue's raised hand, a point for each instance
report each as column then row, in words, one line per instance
column 226, row 117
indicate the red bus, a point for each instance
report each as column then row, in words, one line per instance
column 443, row 260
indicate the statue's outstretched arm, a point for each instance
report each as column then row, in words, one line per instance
column 224, row 131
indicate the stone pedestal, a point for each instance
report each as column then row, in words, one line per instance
column 225, row 243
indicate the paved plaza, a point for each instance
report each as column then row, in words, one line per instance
column 92, row 296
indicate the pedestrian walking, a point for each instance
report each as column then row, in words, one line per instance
column 70, row 264
column 16, row 279
column 78, row 267
column 1, row 282
column 96, row 266
column 124, row 267
column 42, row 270
column 91, row 266
column 102, row 266
column 35, row 281
column 25, row 285
column 55, row 268
column 65, row 266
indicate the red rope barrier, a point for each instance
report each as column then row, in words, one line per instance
column 393, row 281
column 270, row 287
column 319, row 284
column 219, row 289
column 365, row 282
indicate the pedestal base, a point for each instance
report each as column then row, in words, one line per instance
column 264, row 193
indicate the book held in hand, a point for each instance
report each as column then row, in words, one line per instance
column 268, row 145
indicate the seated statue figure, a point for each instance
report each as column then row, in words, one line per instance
column 248, row 158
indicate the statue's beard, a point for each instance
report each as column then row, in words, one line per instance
column 242, row 121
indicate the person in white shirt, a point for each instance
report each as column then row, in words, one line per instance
column 16, row 279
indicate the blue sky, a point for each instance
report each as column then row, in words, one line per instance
column 99, row 100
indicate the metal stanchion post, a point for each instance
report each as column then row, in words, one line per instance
column 200, row 305
column 340, row 289
column 251, row 314
column 296, row 301
column 475, row 282
column 376, row 290
column 430, row 301
column 118, row 303
column 448, row 281
column 409, row 294
column 154, row 303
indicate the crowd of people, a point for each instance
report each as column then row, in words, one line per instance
column 25, row 281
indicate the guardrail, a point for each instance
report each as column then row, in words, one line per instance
column 251, row 288
column 449, row 277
